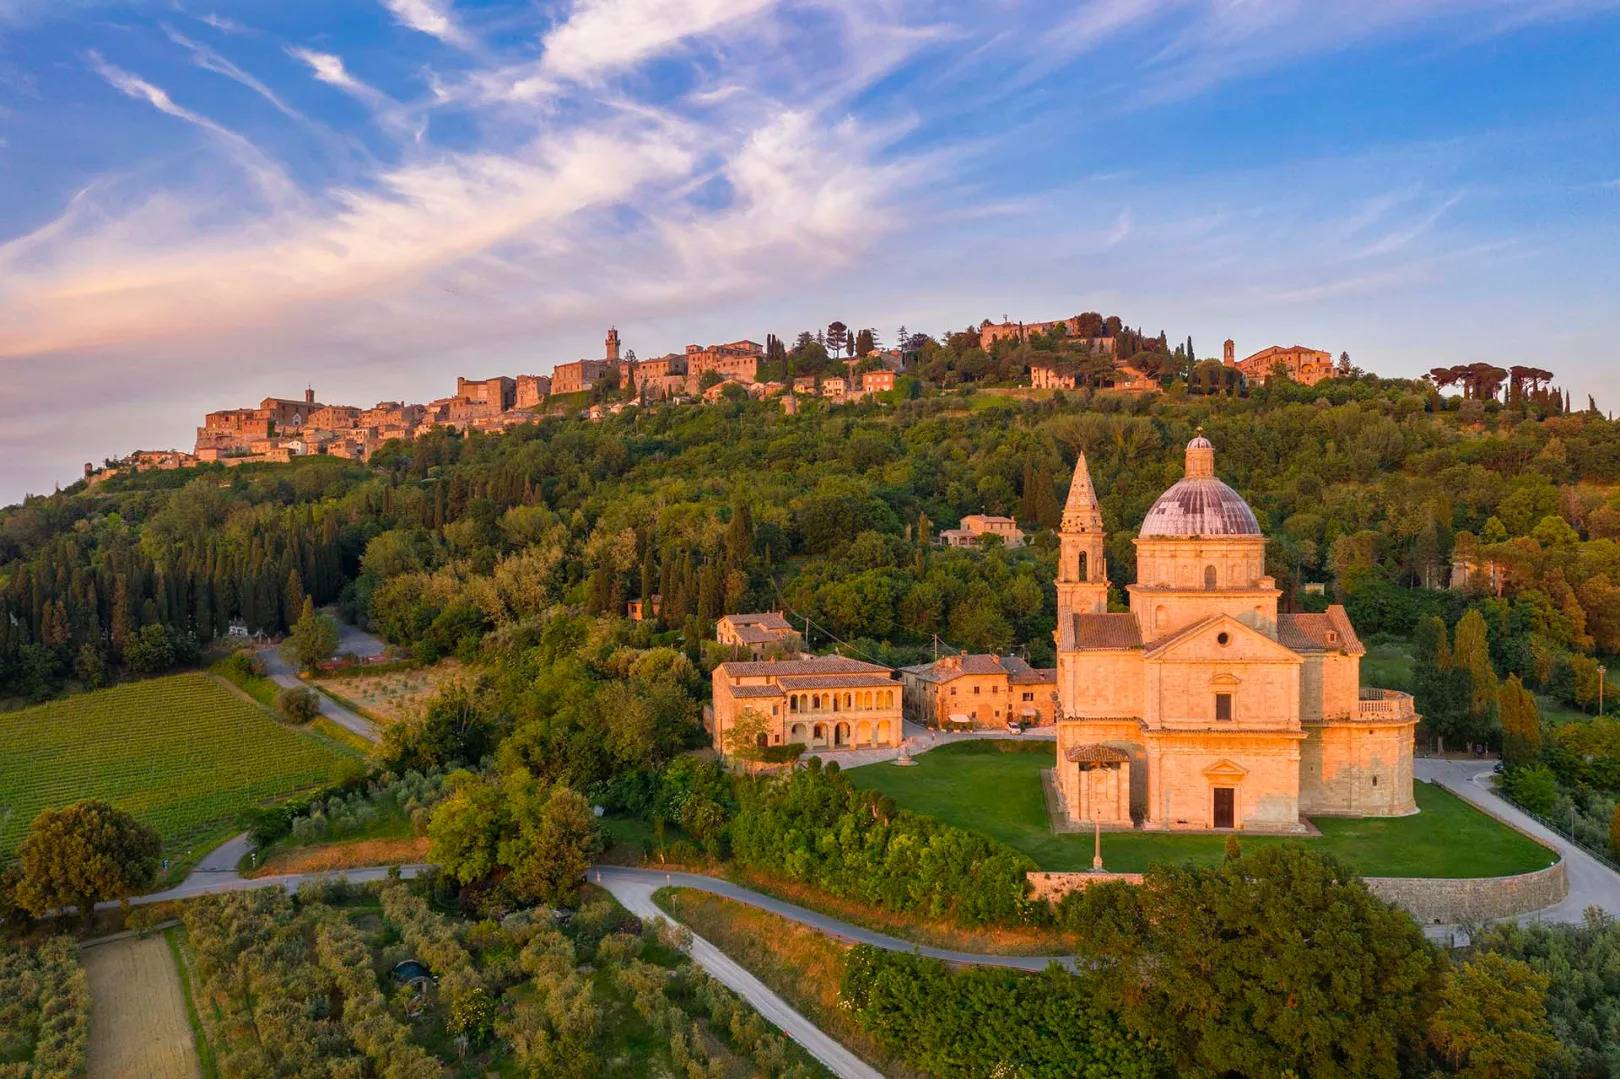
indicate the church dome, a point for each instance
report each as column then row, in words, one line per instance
column 1198, row 504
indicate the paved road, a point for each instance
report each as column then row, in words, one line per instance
column 633, row 889
column 611, row 877
column 1591, row 883
column 350, row 639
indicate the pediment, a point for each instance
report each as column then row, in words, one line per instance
column 1202, row 642
column 1225, row 769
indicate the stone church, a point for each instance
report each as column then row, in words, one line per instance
column 1202, row 707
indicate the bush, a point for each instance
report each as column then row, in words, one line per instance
column 814, row 826
column 1536, row 789
column 298, row 704
column 782, row 754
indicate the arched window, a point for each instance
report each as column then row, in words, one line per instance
column 1083, row 567
column 815, row 701
column 1161, row 617
column 1209, row 578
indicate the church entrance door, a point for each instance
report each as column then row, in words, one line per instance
column 1224, row 802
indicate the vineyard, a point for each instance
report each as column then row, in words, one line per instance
column 182, row 754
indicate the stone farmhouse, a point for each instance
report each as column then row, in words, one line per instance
column 757, row 636
column 1202, row 706
column 825, row 702
column 1307, row 366
column 975, row 525
column 979, row 691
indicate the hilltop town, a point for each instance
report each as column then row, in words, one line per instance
column 838, row 365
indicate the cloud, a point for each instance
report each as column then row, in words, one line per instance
column 269, row 176
column 1396, row 239
column 430, row 17
column 222, row 24
column 210, row 60
column 328, row 68
column 602, row 37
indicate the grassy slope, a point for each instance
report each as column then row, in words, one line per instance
column 182, row 753
column 976, row 785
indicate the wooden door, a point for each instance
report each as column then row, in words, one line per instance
column 1224, row 802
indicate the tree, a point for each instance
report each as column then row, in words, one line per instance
column 837, row 337
column 313, row 639
column 1274, row 962
column 81, row 854
column 1492, row 1020
column 1521, row 724
column 150, row 650
column 1471, row 651
column 90, row 666
column 746, row 739
column 864, row 342
column 298, row 704
column 554, row 847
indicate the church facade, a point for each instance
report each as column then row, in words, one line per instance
column 1203, row 707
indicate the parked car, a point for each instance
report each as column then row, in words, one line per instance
column 1014, row 727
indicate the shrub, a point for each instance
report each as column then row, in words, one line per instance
column 298, row 704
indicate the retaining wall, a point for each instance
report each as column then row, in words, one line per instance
column 1430, row 900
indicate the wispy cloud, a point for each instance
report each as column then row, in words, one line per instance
column 430, row 17
column 329, row 68
column 269, row 175
column 1398, row 238
column 602, row 37
column 210, row 59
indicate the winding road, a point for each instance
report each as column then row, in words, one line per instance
column 350, row 639
column 1591, row 883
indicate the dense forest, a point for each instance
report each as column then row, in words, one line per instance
column 1369, row 487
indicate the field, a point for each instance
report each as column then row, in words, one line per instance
column 388, row 696
column 994, row 787
column 183, row 754
column 139, row 1023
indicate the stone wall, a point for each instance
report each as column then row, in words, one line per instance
column 1446, row 901
column 1430, row 900
column 1054, row 886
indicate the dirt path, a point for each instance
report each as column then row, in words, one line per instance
column 138, row 1025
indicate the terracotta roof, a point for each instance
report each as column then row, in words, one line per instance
column 834, row 681
column 1096, row 754
column 1115, row 630
column 950, row 668
column 1329, row 631
column 790, row 667
column 756, row 691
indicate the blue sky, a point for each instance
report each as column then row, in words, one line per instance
column 202, row 203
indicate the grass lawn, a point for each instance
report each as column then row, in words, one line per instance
column 184, row 754
column 994, row 787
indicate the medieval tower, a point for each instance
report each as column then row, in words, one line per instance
column 1082, row 576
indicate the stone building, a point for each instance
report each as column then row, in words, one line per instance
column 735, row 359
column 979, row 691
column 1203, row 706
column 643, row 610
column 531, row 390
column 1044, row 376
column 991, row 332
column 660, row 378
column 496, row 394
column 1304, row 365
column 766, row 633
column 826, row 702
column 974, row 525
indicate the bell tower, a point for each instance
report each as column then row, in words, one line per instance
column 1082, row 574
column 612, row 346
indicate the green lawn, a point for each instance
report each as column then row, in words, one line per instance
column 994, row 787
column 182, row 753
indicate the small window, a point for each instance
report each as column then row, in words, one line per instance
column 1209, row 578
column 975, row 691
column 1223, row 707
column 1223, row 638
column 1375, row 781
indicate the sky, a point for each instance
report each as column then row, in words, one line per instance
column 203, row 203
